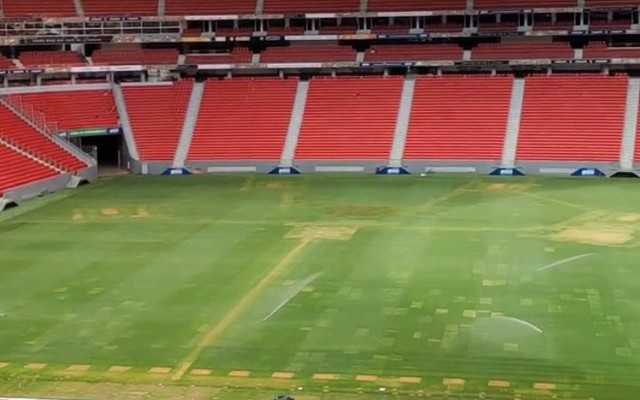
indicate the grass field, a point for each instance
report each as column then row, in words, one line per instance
column 323, row 287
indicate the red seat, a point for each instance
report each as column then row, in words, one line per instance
column 413, row 52
column 24, row 170
column 458, row 118
column 572, row 118
column 522, row 51
column 38, row 8
column 416, row 5
column 612, row 3
column 310, row 6
column 127, row 55
column 105, row 8
column 600, row 50
column 243, row 119
column 157, row 113
column 51, row 58
column 522, row 4
column 210, row 7
column 6, row 63
column 16, row 130
column 349, row 118
column 308, row 53
column 84, row 109
column 240, row 55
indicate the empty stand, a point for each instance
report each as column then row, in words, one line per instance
column 38, row 8
column 521, row 4
column 23, row 169
column 243, row 119
column 104, row 8
column 135, row 56
column 444, row 28
column 416, row 5
column 6, row 63
column 84, row 109
column 572, row 118
column 157, row 114
column 210, row 7
column 309, row 53
column 349, row 118
column 602, row 51
column 51, row 58
column 612, row 3
column 237, row 56
column 522, row 51
column 413, row 52
column 458, row 118
column 24, row 135
column 310, row 6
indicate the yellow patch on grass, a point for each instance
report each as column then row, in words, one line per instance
column 78, row 368
column 36, row 366
column 325, row 377
column 499, row 384
column 366, row 378
column 240, row 374
column 119, row 369
column 160, row 370
column 200, row 372
column 282, row 375
column 410, row 379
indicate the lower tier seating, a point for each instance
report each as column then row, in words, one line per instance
column 157, row 114
column 109, row 8
column 570, row 118
column 522, row 51
column 24, row 169
column 243, row 119
column 349, row 118
column 310, row 6
column 38, row 8
column 117, row 55
column 17, row 131
column 210, row 7
column 239, row 55
column 36, row 59
column 458, row 118
column 308, row 53
column 82, row 109
column 415, row 5
column 521, row 4
column 419, row 52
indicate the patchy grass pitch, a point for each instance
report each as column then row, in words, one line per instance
column 323, row 287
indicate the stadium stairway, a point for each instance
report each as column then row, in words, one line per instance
column 402, row 122
column 293, row 132
column 513, row 124
column 125, row 122
column 189, row 125
column 630, row 127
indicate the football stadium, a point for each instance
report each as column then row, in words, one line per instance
column 319, row 199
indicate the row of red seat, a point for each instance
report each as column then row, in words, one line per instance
column 26, row 8
column 327, row 53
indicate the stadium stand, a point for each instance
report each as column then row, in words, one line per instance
column 522, row 4
column 309, row 53
column 508, row 26
column 243, row 119
column 572, row 118
column 449, row 27
column 415, row 5
column 157, row 114
column 16, row 130
column 240, row 55
column 127, row 55
column 451, row 118
column 382, row 28
column 522, row 51
column 121, row 8
column 38, row 8
column 51, row 58
column 413, row 52
column 6, row 63
column 84, row 109
column 612, row 3
column 349, row 118
column 310, row 6
column 561, row 25
column 29, row 169
column 600, row 50
column 210, row 7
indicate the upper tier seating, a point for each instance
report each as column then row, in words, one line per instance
column 572, row 118
column 521, row 4
column 416, row 5
column 413, row 52
column 612, row 3
column 16, row 130
column 458, row 118
column 243, row 119
column 104, row 8
column 6, row 63
column 157, row 115
column 23, row 169
column 310, row 6
column 552, row 26
column 602, row 51
column 38, row 8
column 349, row 118
column 134, row 56
column 51, row 58
column 240, row 55
column 522, row 51
column 308, row 53
column 210, row 7
column 83, row 109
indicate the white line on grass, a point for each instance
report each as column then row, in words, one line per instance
column 522, row 322
column 566, row 260
column 300, row 286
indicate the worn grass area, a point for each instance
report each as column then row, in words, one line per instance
column 325, row 287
